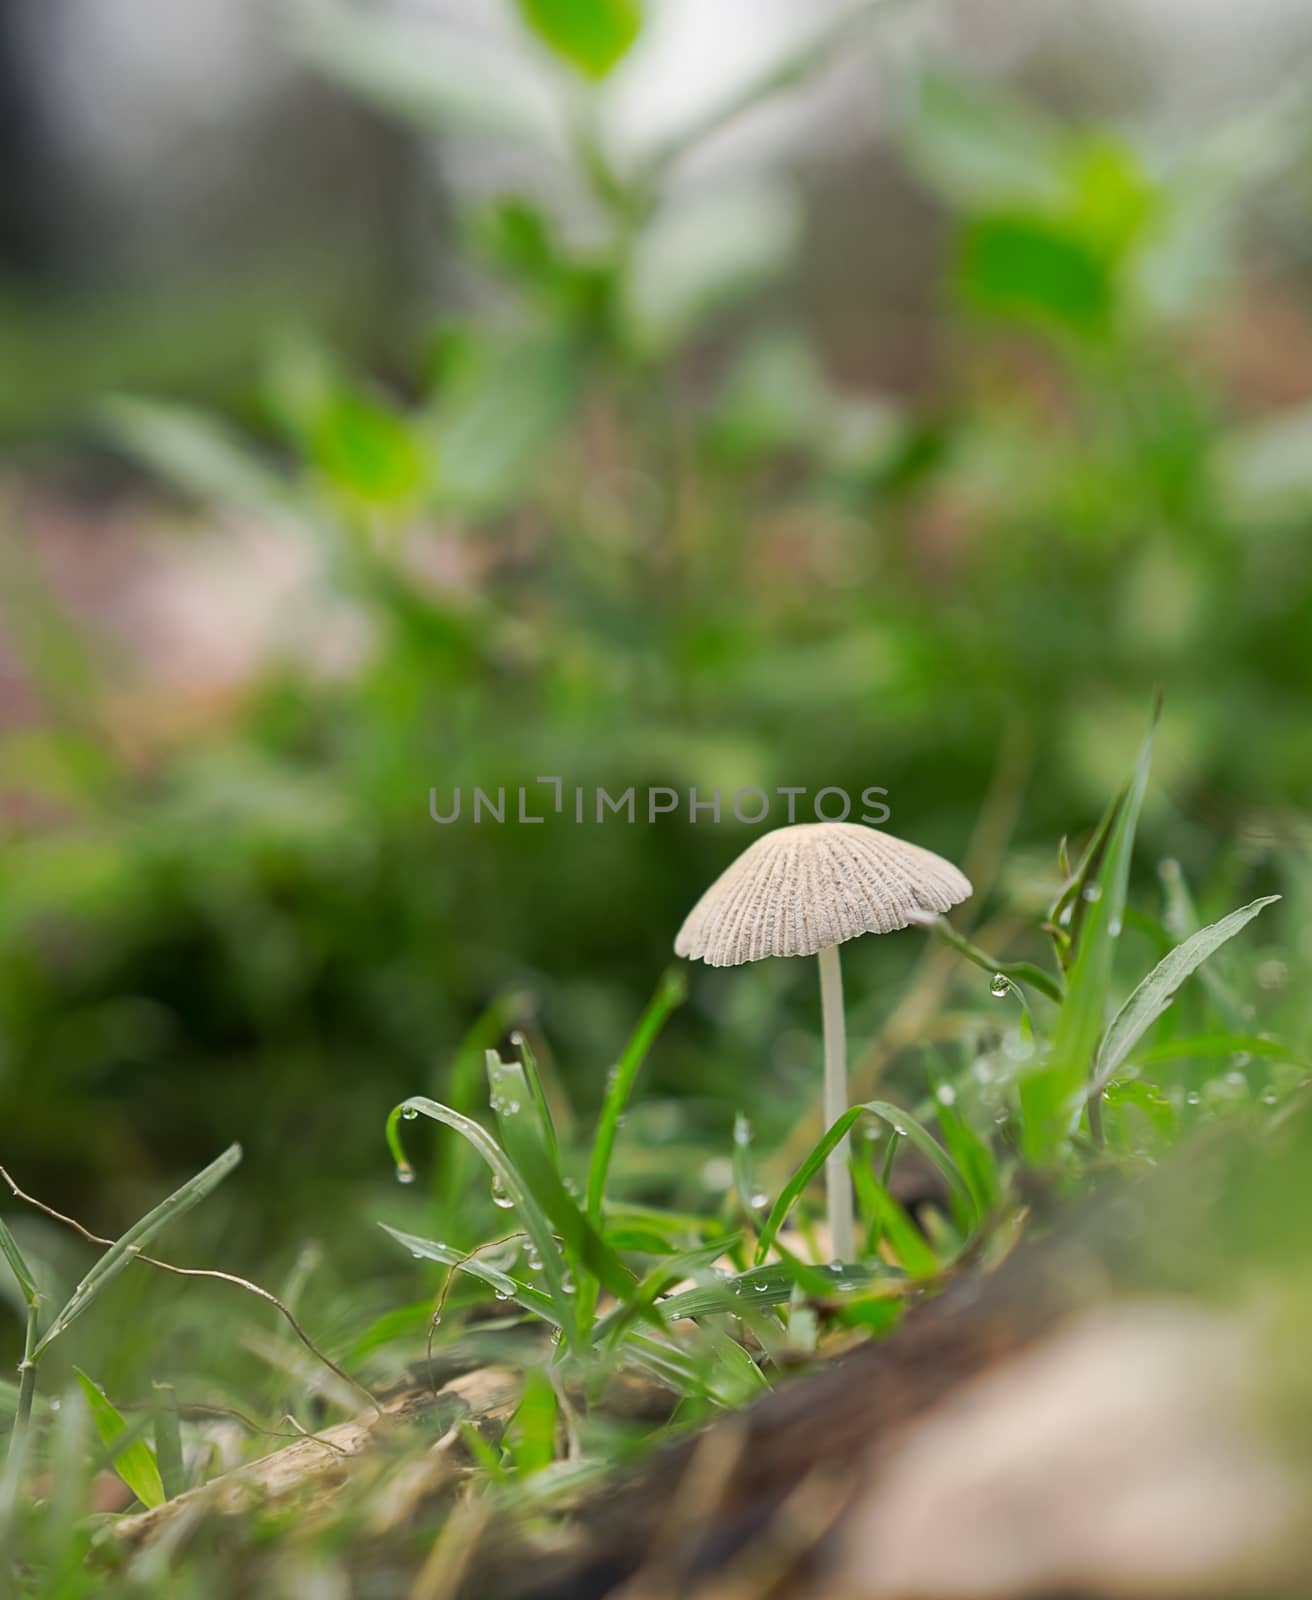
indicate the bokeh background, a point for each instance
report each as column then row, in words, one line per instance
column 725, row 393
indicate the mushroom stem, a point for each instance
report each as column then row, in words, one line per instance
column 838, row 1178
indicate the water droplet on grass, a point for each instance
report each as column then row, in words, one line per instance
column 1092, row 892
column 409, row 1113
column 759, row 1200
column 999, row 986
column 405, row 1173
column 945, row 1094
column 499, row 1196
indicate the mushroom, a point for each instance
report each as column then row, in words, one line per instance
column 802, row 891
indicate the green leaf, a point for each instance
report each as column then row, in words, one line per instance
column 904, row 1125
column 367, row 451
column 432, row 78
column 592, row 35
column 670, row 992
column 1220, row 1044
column 974, row 1156
column 1157, row 990
column 135, row 1240
column 525, row 1294
column 909, row 1244
column 168, row 1440
column 195, row 453
column 514, row 1184
column 978, row 149
column 526, row 1143
column 670, row 1269
column 708, row 252
column 499, row 409
column 1052, row 1093
column 17, row 1265
column 770, row 1285
column 1034, row 269
column 130, row 1457
column 531, row 1432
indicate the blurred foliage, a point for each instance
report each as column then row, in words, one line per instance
column 620, row 522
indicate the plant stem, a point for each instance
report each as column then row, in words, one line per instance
column 26, row 1387
column 838, row 1180
column 18, row 1440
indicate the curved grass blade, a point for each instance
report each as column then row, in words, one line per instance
column 899, row 1120
column 1018, row 971
column 904, row 1125
column 770, row 1285
column 1157, row 990
column 532, row 1216
column 524, row 1294
column 130, row 1455
column 134, row 1241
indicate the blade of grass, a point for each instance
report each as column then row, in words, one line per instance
column 670, row 993
column 526, row 1143
column 904, row 1125
column 524, row 1294
column 1052, row 1093
column 168, row 1440
column 130, row 1455
column 1157, row 990
column 461, row 1091
column 532, row 1430
column 511, row 1181
column 18, row 1266
column 898, row 1120
column 131, row 1244
column 1181, row 919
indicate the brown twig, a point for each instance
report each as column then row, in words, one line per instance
column 197, row 1272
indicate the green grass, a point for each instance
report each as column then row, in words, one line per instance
column 671, row 548
column 712, row 1306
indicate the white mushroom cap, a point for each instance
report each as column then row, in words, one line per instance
column 797, row 890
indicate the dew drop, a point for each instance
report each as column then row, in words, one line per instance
column 499, row 1196
column 999, row 986
column 502, row 1294
column 409, row 1113
column 567, row 1284
column 758, row 1200
column 1193, row 1098
column 742, row 1131
column 405, row 1173
column 1269, row 1097
column 762, row 1287
column 946, row 1095
column 1092, row 892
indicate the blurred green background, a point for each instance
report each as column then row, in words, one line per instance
column 817, row 396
